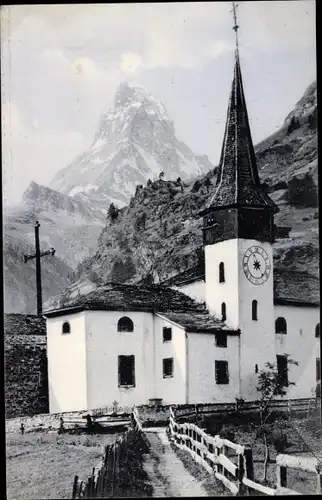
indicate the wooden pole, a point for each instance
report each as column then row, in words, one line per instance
column 75, row 487
column 38, row 269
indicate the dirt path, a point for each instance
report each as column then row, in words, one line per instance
column 167, row 473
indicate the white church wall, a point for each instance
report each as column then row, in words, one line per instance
column 196, row 290
column 216, row 293
column 301, row 345
column 172, row 390
column 202, row 354
column 66, row 364
column 104, row 344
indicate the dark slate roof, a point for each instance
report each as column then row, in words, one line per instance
column 238, row 182
column 199, row 323
column 296, row 288
column 24, row 330
column 146, row 298
column 24, row 324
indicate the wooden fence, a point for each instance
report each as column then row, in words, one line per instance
column 307, row 464
column 121, row 472
column 291, row 406
column 231, row 463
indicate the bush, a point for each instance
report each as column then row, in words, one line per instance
column 228, row 432
column 279, row 440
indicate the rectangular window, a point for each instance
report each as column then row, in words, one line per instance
column 221, row 372
column 318, row 369
column 167, row 334
column 282, row 369
column 168, row 367
column 221, row 339
column 126, row 371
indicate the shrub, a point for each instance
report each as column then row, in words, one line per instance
column 197, row 185
column 279, row 440
column 228, row 432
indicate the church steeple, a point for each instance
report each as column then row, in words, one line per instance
column 238, row 182
column 238, row 186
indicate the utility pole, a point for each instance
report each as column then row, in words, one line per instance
column 37, row 256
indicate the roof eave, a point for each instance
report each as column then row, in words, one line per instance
column 279, row 301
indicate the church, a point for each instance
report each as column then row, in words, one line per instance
column 204, row 335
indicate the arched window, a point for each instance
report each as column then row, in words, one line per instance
column 254, row 310
column 223, row 311
column 66, row 327
column 317, row 330
column 280, row 325
column 125, row 324
column 221, row 273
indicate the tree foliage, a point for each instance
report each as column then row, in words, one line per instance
column 270, row 385
column 113, row 212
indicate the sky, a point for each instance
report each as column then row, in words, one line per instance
column 61, row 65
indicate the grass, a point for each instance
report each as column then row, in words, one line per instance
column 43, row 466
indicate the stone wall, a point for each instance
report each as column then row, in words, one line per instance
column 25, row 365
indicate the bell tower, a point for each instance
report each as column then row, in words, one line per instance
column 238, row 233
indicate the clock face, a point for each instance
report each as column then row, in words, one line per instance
column 256, row 265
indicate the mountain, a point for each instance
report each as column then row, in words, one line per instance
column 159, row 232
column 68, row 225
column 135, row 141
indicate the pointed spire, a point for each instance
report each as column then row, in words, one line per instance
column 238, row 183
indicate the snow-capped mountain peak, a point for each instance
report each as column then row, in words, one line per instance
column 135, row 141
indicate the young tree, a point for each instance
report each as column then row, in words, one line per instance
column 208, row 184
column 270, row 385
column 113, row 212
column 161, row 175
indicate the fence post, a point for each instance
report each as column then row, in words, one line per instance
column 223, row 452
column 241, row 472
column 281, row 476
column 289, row 407
column 318, row 480
column 75, row 486
column 248, row 463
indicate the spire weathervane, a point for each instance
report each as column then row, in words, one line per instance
column 235, row 27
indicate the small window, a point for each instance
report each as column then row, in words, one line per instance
column 221, row 273
column 167, row 334
column 318, row 369
column 280, row 325
column 317, row 330
column 126, row 371
column 221, row 372
column 168, row 367
column 256, row 368
column 66, row 327
column 282, row 369
column 125, row 324
column 223, row 311
column 254, row 310
column 221, row 340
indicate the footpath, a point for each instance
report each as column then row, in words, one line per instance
column 166, row 472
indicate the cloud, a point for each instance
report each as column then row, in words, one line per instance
column 130, row 62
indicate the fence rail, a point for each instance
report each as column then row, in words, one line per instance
column 307, row 464
column 289, row 406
